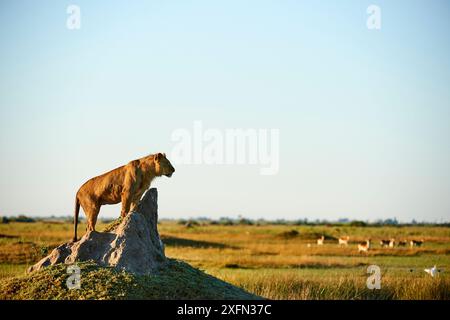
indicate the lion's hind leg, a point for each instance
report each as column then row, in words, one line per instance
column 92, row 210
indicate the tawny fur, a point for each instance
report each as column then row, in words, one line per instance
column 402, row 243
column 384, row 243
column 343, row 240
column 392, row 243
column 320, row 241
column 416, row 243
column 125, row 184
column 364, row 246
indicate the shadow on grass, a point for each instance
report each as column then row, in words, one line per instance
column 7, row 236
column 180, row 242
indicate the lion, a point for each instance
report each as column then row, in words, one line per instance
column 124, row 184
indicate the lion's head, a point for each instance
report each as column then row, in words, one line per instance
column 163, row 167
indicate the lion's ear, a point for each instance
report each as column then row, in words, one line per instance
column 158, row 157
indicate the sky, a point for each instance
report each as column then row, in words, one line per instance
column 363, row 114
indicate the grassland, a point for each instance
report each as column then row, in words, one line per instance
column 275, row 261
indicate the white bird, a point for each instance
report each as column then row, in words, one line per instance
column 432, row 272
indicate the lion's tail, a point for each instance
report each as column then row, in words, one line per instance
column 75, row 218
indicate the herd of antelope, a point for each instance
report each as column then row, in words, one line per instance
column 366, row 245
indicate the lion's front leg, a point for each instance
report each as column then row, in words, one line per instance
column 126, row 203
column 133, row 205
column 130, row 186
column 130, row 201
column 136, row 200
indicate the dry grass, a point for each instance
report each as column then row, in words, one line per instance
column 339, row 286
column 274, row 261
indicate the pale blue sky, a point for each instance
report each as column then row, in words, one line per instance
column 364, row 115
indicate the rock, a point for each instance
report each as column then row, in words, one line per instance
column 133, row 245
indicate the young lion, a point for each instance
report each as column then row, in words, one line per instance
column 125, row 184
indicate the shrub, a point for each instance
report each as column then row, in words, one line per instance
column 289, row 234
column 4, row 220
column 246, row 222
column 21, row 218
column 357, row 223
column 226, row 222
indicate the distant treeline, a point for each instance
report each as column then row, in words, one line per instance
column 27, row 219
column 20, row 218
column 342, row 222
column 225, row 221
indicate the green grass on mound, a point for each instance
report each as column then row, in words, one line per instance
column 113, row 225
column 177, row 280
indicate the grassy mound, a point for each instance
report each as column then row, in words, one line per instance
column 177, row 280
column 113, row 225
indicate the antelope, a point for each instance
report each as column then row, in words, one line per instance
column 364, row 246
column 384, row 243
column 402, row 243
column 320, row 241
column 344, row 240
column 416, row 243
column 392, row 243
